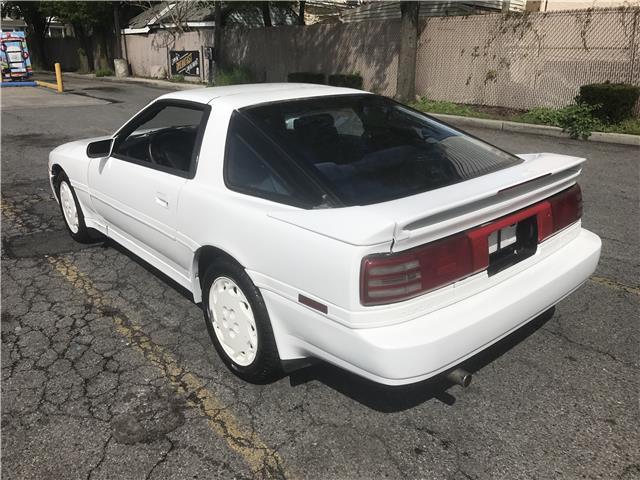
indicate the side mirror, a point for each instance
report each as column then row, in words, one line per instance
column 99, row 149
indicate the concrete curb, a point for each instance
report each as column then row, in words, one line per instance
column 147, row 81
column 616, row 138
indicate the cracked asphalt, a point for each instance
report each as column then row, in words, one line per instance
column 108, row 372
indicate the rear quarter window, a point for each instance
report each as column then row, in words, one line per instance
column 254, row 165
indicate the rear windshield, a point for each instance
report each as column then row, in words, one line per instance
column 366, row 149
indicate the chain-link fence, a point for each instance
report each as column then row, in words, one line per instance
column 527, row 60
column 518, row 60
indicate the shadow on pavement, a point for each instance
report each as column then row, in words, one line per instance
column 395, row 399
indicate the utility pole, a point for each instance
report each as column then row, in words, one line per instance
column 406, row 83
column 266, row 13
column 301, row 12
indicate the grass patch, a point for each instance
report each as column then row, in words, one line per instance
column 104, row 72
column 447, row 108
column 177, row 78
column 578, row 119
column 630, row 126
column 234, row 75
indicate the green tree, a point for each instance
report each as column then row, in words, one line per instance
column 264, row 7
column 92, row 23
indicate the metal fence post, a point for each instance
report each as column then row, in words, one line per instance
column 632, row 46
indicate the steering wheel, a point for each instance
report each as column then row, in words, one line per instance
column 158, row 153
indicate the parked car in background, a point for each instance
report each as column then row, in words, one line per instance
column 314, row 221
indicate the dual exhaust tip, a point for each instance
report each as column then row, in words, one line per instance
column 459, row 377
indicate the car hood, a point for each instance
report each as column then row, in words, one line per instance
column 424, row 217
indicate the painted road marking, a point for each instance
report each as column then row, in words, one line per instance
column 12, row 214
column 262, row 460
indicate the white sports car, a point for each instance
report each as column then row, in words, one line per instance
column 330, row 223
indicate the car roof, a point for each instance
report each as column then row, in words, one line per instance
column 237, row 96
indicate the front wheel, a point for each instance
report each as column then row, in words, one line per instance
column 238, row 323
column 71, row 211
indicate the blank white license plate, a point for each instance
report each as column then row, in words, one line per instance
column 502, row 238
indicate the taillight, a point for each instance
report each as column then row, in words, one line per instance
column 393, row 277
column 566, row 207
column 388, row 278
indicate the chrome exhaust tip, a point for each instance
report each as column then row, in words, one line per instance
column 459, row 377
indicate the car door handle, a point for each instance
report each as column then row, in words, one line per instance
column 162, row 202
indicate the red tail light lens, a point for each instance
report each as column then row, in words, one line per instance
column 392, row 277
column 389, row 278
column 566, row 207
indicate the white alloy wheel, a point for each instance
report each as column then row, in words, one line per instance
column 233, row 321
column 69, row 207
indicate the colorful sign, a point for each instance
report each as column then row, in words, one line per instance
column 185, row 62
column 15, row 60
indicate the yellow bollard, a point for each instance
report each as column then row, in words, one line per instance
column 59, row 78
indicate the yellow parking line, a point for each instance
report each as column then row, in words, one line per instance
column 607, row 282
column 12, row 214
column 262, row 460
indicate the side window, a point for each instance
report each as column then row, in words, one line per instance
column 249, row 170
column 253, row 165
column 164, row 137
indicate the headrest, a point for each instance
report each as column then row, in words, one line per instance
column 320, row 121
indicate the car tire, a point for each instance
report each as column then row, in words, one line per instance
column 71, row 211
column 238, row 323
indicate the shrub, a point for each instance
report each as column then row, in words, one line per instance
column 306, row 77
column 612, row 102
column 349, row 81
column 577, row 119
column 104, row 72
column 233, row 75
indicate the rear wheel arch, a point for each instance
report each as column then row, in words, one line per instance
column 202, row 259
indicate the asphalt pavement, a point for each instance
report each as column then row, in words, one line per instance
column 108, row 371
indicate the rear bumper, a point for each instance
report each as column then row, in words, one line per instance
column 430, row 344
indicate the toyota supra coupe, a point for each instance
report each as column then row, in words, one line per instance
column 317, row 222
